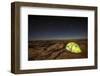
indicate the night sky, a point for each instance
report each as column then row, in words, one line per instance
column 56, row 27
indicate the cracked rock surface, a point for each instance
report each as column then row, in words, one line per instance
column 54, row 49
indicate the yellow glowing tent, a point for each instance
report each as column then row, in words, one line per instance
column 73, row 47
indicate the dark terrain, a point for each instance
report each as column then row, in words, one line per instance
column 55, row 49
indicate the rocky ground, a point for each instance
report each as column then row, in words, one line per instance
column 55, row 49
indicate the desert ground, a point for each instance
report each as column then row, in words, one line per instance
column 55, row 49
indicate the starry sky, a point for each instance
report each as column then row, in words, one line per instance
column 42, row 27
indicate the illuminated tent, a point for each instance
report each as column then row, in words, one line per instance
column 73, row 47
